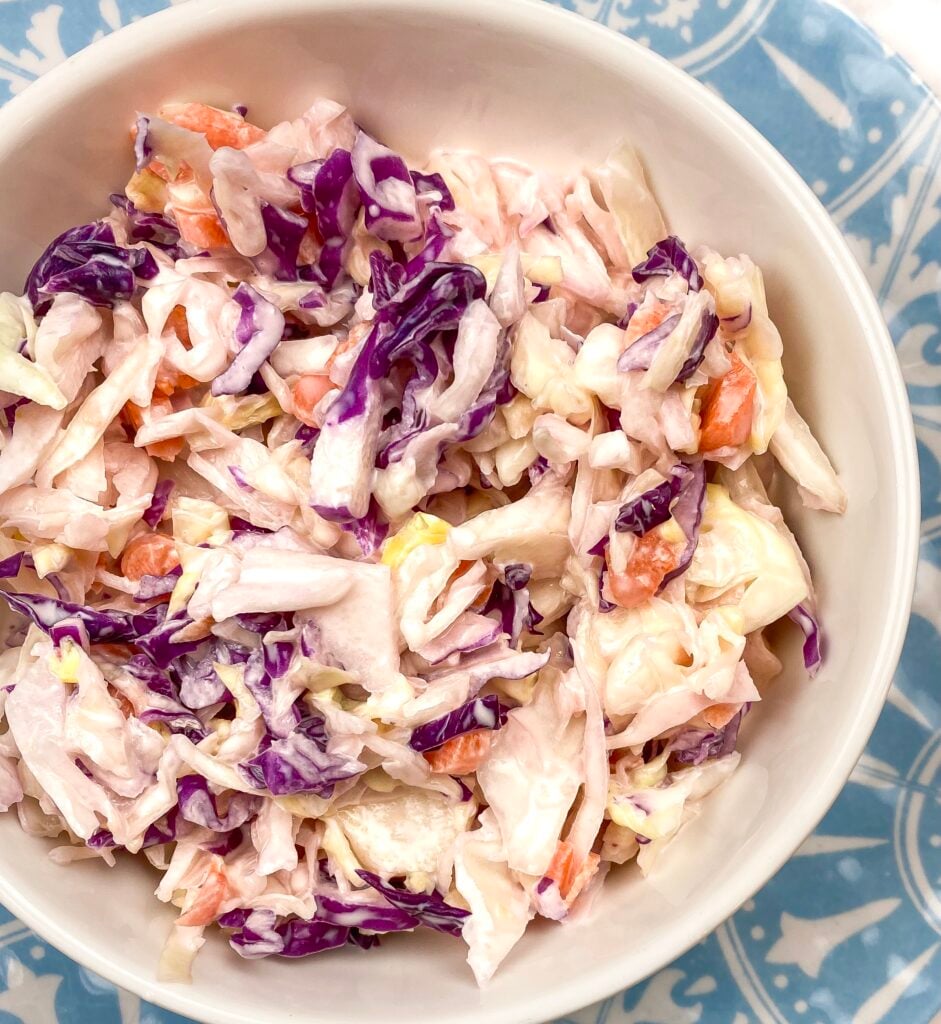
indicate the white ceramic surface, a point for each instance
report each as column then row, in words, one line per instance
column 909, row 27
column 511, row 77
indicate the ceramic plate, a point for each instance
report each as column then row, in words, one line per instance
column 850, row 929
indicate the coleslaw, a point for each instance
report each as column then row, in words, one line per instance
column 387, row 548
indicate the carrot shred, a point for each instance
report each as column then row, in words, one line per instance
column 461, row 755
column 728, row 409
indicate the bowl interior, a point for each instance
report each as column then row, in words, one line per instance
column 525, row 80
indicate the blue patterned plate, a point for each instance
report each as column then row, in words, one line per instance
column 850, row 929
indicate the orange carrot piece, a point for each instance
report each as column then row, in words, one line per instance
column 209, row 899
column 719, row 715
column 650, row 560
column 582, row 877
column 353, row 338
column 165, row 450
column 170, row 381
column 307, row 391
column 159, row 168
column 462, row 754
column 149, row 554
column 200, row 228
column 134, row 414
column 180, row 325
column 221, row 127
column 728, row 409
column 644, row 321
column 562, row 867
column 570, row 876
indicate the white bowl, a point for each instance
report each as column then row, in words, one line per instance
column 525, row 79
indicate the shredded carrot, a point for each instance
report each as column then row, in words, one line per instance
column 583, row 876
column 221, row 127
column 200, row 228
column 209, row 899
column 166, row 450
column 462, row 754
column 149, row 554
column 644, row 321
column 170, row 381
column 650, row 560
column 180, row 325
column 159, row 168
column 570, row 876
column 353, row 338
column 728, row 408
column 136, row 416
column 719, row 715
column 463, row 568
column 562, row 867
column 307, row 391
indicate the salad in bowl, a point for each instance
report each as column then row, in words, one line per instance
column 387, row 547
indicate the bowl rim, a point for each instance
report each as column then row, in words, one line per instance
column 92, row 67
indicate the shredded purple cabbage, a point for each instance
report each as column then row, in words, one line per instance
column 707, row 331
column 198, row 805
column 11, row 566
column 431, row 183
column 650, row 509
column 431, row 909
column 693, row 746
column 688, row 512
column 336, row 203
column 259, row 329
column 386, row 278
column 69, row 629
column 479, row 713
column 667, row 257
column 298, row 763
column 181, row 721
column 9, row 411
column 509, row 603
column 805, row 617
column 106, row 625
column 159, row 643
column 143, row 150
column 150, row 587
column 160, row 832
column 371, row 917
column 304, row 175
column 305, row 938
column 369, row 530
column 430, row 302
column 158, row 505
column 86, row 261
column 639, row 356
column 154, row 228
column 284, row 231
column 387, row 191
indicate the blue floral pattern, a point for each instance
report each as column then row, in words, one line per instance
column 850, row 929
